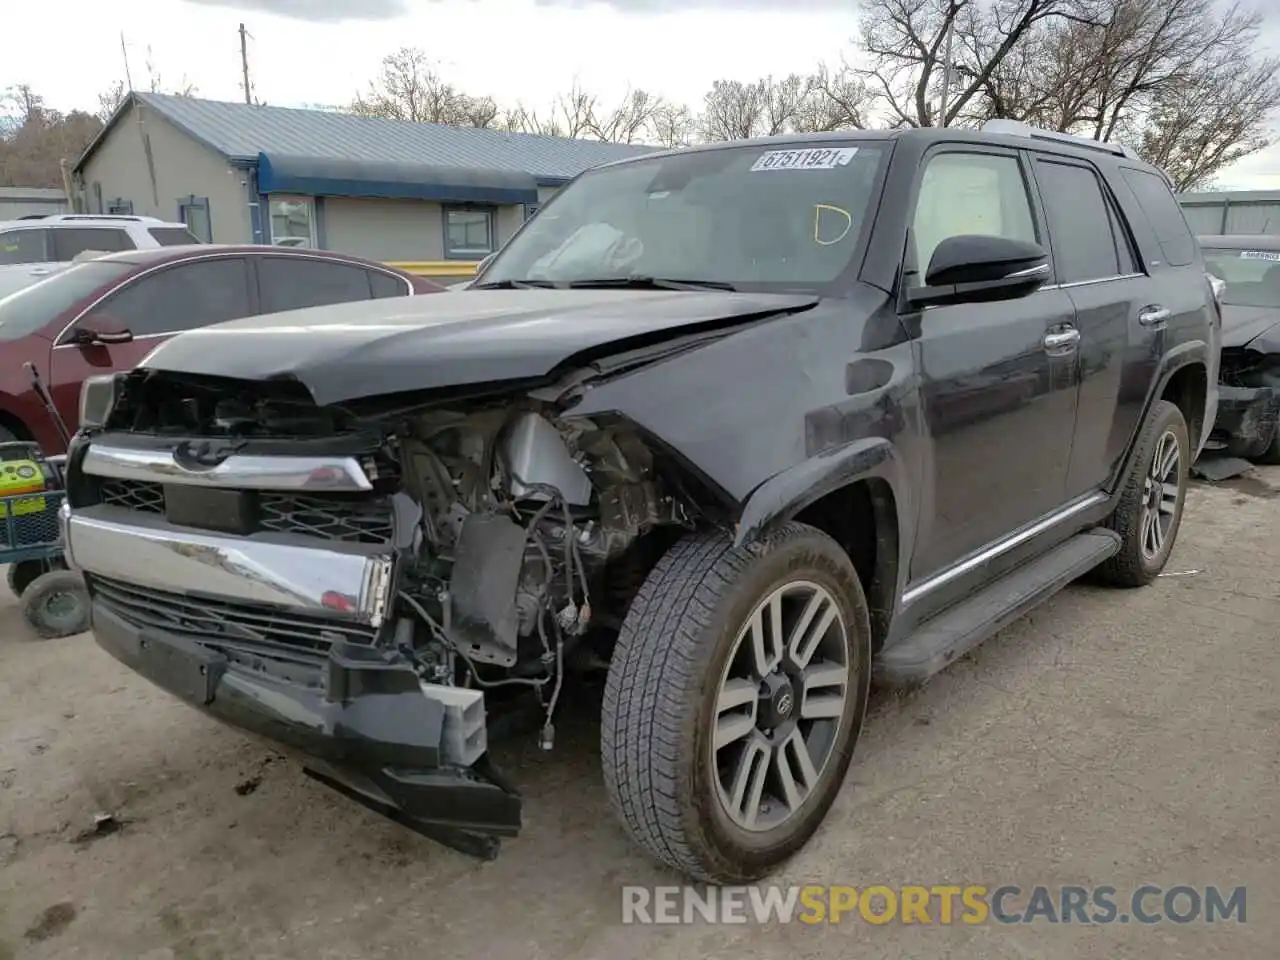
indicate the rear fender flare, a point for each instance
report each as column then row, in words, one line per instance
column 785, row 494
column 1183, row 355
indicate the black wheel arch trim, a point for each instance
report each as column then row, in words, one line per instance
column 786, row 494
column 1183, row 355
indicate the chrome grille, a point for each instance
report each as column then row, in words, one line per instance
column 132, row 495
column 239, row 626
column 349, row 518
column 351, row 521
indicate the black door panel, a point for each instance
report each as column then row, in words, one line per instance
column 1000, row 406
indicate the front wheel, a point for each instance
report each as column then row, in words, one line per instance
column 56, row 604
column 1150, row 509
column 735, row 699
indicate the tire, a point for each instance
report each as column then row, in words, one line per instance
column 56, row 604
column 22, row 575
column 1270, row 456
column 683, row 639
column 1141, row 558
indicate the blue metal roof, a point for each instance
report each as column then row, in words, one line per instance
column 242, row 131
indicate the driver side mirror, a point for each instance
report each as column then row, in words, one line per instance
column 99, row 329
column 974, row 268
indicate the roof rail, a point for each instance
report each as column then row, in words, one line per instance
column 1018, row 128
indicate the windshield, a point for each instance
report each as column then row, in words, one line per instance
column 753, row 217
column 1252, row 276
column 29, row 309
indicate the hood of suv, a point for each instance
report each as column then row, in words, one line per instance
column 1242, row 324
column 400, row 344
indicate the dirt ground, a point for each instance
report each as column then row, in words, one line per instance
column 1112, row 737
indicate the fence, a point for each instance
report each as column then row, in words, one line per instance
column 1236, row 212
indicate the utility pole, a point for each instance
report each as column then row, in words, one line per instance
column 244, row 63
column 124, row 52
column 946, row 72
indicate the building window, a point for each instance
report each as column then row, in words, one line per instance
column 194, row 212
column 120, row 206
column 468, row 233
column 293, row 222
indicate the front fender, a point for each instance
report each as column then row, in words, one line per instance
column 785, row 494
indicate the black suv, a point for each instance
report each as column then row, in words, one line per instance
column 730, row 429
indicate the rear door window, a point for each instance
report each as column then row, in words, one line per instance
column 1165, row 215
column 72, row 241
column 172, row 236
column 387, row 285
column 24, row 246
column 183, row 297
column 1080, row 222
column 292, row 283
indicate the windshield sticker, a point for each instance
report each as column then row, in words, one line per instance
column 825, row 158
column 1260, row 255
column 840, row 223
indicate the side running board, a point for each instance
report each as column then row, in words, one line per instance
column 957, row 630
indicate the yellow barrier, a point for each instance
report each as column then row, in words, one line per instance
column 436, row 268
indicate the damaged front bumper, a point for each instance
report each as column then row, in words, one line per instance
column 279, row 640
column 1247, row 419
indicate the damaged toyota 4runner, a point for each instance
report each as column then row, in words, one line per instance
column 737, row 426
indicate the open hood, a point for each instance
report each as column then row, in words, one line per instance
column 353, row 350
column 1242, row 324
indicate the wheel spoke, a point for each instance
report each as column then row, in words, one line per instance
column 822, row 691
column 748, row 781
column 796, row 772
column 766, row 638
column 735, row 712
column 1168, row 498
column 819, row 613
column 1169, row 461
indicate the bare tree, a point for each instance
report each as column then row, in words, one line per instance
column 631, row 121
column 1208, row 121
column 834, row 100
column 673, row 125
column 109, row 100
column 408, row 88
column 36, row 138
column 156, row 83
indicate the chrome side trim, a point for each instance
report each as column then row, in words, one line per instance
column 986, row 555
column 154, row 554
column 314, row 474
column 1089, row 283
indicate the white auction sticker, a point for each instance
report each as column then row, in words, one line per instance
column 820, row 158
column 1260, row 255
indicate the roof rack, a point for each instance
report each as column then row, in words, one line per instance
column 128, row 218
column 1017, row 128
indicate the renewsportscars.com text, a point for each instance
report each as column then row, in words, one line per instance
column 939, row 904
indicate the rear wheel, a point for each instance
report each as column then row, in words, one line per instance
column 1150, row 509
column 734, row 700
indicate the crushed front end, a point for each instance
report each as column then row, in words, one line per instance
column 1248, row 401
column 368, row 588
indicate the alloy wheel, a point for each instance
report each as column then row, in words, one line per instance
column 779, row 706
column 1160, row 495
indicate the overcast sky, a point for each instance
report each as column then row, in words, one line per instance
column 324, row 51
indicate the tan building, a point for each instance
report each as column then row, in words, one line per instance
column 386, row 189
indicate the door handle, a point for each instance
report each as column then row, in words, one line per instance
column 1061, row 341
column 1153, row 315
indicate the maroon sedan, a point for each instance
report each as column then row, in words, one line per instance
column 107, row 313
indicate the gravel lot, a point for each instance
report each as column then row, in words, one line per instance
column 1110, row 738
